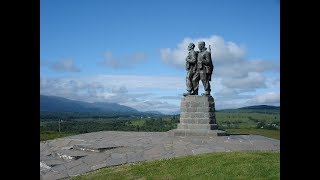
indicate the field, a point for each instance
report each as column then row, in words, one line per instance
column 47, row 135
column 227, row 120
column 220, row 165
column 262, row 123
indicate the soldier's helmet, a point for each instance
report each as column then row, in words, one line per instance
column 202, row 43
column 191, row 45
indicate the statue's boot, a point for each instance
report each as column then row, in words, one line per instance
column 194, row 93
column 186, row 94
column 206, row 93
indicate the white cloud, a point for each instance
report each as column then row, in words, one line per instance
column 137, row 57
column 228, row 58
column 120, row 90
column 153, row 105
column 273, row 82
column 236, row 80
column 227, row 92
column 237, row 101
column 270, row 98
column 242, row 68
column 148, row 93
column 65, row 65
column 252, row 81
column 230, row 104
column 170, row 97
column 222, row 52
column 139, row 92
column 123, row 62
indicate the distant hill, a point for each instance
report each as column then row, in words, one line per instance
column 255, row 109
column 261, row 107
column 59, row 104
column 175, row 112
column 153, row 112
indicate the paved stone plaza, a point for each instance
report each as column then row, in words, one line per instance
column 75, row 155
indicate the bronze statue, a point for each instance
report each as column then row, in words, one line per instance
column 204, row 67
column 192, row 80
column 199, row 66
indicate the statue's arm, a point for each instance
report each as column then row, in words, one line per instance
column 207, row 60
column 192, row 58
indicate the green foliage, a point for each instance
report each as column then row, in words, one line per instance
column 92, row 115
column 85, row 125
column 158, row 125
column 227, row 120
column 263, row 109
column 261, row 124
column 138, row 122
column 219, row 165
column 92, row 122
column 48, row 135
column 264, row 125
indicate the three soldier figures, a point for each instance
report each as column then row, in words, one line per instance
column 199, row 67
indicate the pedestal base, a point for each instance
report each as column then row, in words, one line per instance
column 197, row 132
column 197, row 117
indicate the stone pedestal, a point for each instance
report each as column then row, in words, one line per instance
column 197, row 117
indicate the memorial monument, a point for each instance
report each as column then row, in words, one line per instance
column 197, row 115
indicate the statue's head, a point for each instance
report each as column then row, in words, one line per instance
column 191, row 46
column 201, row 45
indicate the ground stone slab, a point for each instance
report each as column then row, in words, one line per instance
column 92, row 151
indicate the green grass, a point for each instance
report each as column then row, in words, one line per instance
column 247, row 123
column 221, row 165
column 244, row 120
column 138, row 122
column 48, row 135
column 275, row 134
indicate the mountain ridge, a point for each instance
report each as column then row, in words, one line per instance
column 60, row 104
column 260, row 107
column 254, row 109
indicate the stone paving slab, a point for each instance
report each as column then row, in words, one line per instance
column 75, row 155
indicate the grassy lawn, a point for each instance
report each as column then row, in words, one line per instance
column 275, row 134
column 48, row 135
column 220, row 165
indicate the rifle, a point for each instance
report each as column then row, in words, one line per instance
column 211, row 64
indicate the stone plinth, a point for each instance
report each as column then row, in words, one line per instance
column 197, row 117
